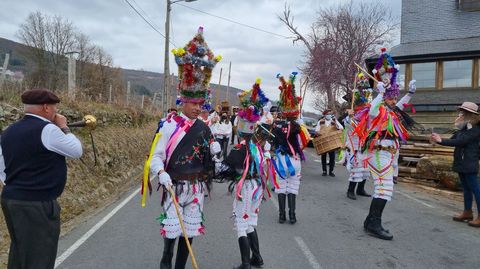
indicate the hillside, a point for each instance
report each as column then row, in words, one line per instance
column 143, row 82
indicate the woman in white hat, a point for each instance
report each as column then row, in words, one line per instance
column 465, row 158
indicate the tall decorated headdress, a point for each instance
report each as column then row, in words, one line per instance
column 386, row 71
column 195, row 64
column 362, row 91
column 251, row 103
column 289, row 103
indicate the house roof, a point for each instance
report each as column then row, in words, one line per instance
column 439, row 49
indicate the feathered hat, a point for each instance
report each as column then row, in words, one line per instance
column 195, row 64
column 289, row 101
column 386, row 71
column 251, row 104
column 362, row 92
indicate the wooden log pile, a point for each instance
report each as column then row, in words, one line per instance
column 425, row 161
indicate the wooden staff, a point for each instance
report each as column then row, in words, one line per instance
column 368, row 74
column 305, row 84
column 354, row 87
column 174, row 199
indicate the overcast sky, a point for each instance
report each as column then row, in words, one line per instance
column 113, row 25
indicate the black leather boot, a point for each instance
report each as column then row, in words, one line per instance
column 182, row 253
column 351, row 190
column 256, row 260
column 281, row 207
column 361, row 189
column 168, row 245
column 291, row 208
column 374, row 226
column 244, row 252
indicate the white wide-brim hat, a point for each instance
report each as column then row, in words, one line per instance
column 470, row 107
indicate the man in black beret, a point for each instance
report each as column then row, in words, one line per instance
column 34, row 171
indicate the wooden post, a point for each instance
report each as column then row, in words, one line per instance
column 217, row 99
column 143, row 99
column 110, row 94
column 228, row 83
column 439, row 75
column 128, row 93
column 153, row 101
column 475, row 73
column 4, row 70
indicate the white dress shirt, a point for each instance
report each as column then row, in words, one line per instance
column 328, row 123
column 54, row 140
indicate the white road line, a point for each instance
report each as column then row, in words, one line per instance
column 317, row 160
column 415, row 199
column 90, row 232
column 306, row 251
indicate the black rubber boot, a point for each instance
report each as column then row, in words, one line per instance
column 281, row 207
column 256, row 260
column 361, row 189
column 351, row 190
column 182, row 253
column 244, row 252
column 166, row 261
column 374, row 225
column 291, row 208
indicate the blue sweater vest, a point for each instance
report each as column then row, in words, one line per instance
column 34, row 173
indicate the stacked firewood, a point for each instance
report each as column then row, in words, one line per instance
column 422, row 160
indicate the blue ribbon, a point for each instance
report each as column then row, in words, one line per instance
column 280, row 170
column 290, row 167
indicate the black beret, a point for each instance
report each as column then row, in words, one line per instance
column 274, row 109
column 39, row 97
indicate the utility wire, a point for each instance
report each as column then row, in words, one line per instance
column 148, row 22
column 232, row 21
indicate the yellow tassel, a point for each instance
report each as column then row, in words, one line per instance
column 146, row 169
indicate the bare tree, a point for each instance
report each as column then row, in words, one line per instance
column 50, row 38
column 339, row 37
column 33, row 33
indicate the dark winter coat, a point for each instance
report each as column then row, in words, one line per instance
column 467, row 151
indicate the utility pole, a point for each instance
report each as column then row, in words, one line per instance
column 166, row 67
column 228, row 83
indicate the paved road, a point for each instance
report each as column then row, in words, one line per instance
column 329, row 232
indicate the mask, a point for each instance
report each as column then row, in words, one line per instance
column 224, row 117
column 328, row 117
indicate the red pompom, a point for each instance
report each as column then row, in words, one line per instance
column 383, row 50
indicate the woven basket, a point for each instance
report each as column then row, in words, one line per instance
column 328, row 140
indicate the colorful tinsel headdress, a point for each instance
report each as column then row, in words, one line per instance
column 195, row 64
column 289, row 101
column 386, row 71
column 251, row 103
column 362, row 92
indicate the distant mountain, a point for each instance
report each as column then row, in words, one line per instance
column 142, row 82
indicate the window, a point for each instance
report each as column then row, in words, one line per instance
column 401, row 77
column 469, row 5
column 424, row 74
column 457, row 74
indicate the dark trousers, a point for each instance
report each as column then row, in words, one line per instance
column 233, row 136
column 331, row 164
column 34, row 229
column 470, row 189
column 224, row 144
